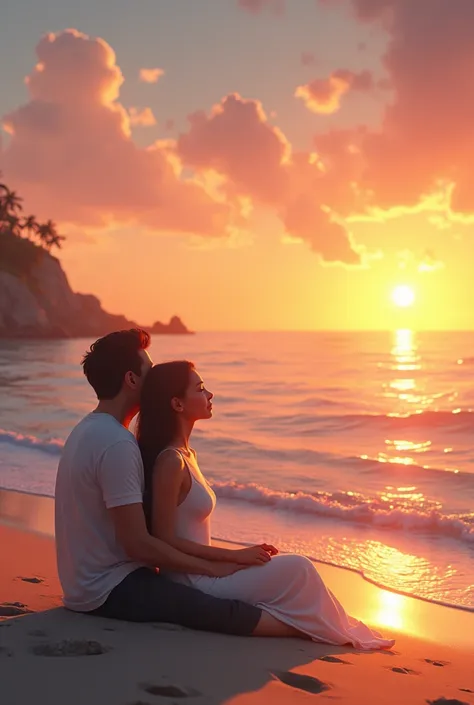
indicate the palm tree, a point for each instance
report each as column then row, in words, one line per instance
column 48, row 235
column 11, row 201
column 3, row 187
column 11, row 221
column 10, row 207
column 30, row 224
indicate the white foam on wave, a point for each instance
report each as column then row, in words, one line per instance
column 346, row 506
column 358, row 510
column 53, row 446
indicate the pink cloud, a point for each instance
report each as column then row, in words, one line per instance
column 237, row 141
column 142, row 117
column 151, row 75
column 425, row 139
column 324, row 95
column 72, row 155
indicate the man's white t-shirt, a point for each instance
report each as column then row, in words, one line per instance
column 100, row 468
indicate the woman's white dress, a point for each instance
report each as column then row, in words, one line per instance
column 288, row 587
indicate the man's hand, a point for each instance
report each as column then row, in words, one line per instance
column 222, row 569
column 255, row 555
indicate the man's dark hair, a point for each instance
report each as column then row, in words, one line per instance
column 111, row 357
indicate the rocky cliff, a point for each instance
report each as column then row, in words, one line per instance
column 39, row 303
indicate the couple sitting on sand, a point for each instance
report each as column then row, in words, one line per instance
column 133, row 517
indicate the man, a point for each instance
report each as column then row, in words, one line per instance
column 106, row 557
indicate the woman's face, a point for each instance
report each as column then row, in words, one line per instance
column 196, row 404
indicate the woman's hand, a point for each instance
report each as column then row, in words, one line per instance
column 271, row 549
column 255, row 555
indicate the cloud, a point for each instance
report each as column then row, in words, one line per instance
column 150, row 75
column 426, row 262
column 236, row 140
column 257, row 162
column 324, row 95
column 72, row 155
column 143, row 117
column 425, row 138
column 429, row 262
column 257, row 6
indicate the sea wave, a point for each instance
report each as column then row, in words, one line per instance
column 401, row 512
column 53, row 446
column 352, row 507
column 458, row 420
column 246, row 450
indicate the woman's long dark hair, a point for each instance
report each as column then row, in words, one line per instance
column 158, row 421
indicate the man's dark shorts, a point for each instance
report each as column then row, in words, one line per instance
column 146, row 596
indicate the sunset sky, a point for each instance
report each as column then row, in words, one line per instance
column 250, row 164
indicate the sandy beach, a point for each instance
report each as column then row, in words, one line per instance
column 51, row 656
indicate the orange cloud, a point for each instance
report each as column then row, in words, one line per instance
column 324, row 95
column 150, row 75
column 143, row 117
column 236, row 140
column 428, row 262
column 72, row 154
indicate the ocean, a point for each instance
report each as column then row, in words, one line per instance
column 355, row 449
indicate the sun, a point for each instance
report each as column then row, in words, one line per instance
column 403, row 296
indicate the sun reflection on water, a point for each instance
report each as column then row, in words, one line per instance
column 393, row 610
column 404, row 352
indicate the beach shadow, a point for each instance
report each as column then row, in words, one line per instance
column 92, row 658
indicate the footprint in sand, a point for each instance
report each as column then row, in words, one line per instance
column 169, row 691
column 13, row 609
column 404, row 671
column 32, row 580
column 70, row 647
column 436, row 663
column 466, row 690
column 334, row 659
column 301, row 682
column 446, row 701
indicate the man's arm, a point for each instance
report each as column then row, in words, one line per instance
column 140, row 546
column 120, row 477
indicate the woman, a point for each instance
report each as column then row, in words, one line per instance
column 179, row 503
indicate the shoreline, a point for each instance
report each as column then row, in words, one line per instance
column 34, row 512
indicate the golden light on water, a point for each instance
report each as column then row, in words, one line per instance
column 405, row 355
